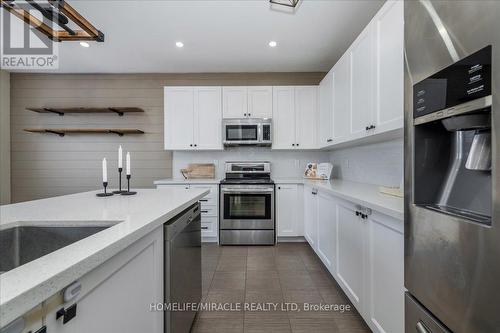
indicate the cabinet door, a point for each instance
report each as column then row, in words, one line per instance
column 390, row 75
column 234, row 102
column 179, row 118
column 342, row 99
column 350, row 254
column 284, row 118
column 287, row 210
column 115, row 296
column 386, row 271
column 306, row 115
column 311, row 217
column 326, row 110
column 363, row 82
column 260, row 102
column 208, row 118
column 327, row 226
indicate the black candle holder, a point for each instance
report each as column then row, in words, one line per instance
column 119, row 182
column 104, row 194
column 127, row 192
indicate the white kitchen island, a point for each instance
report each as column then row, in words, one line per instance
column 116, row 266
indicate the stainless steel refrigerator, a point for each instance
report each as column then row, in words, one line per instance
column 452, row 187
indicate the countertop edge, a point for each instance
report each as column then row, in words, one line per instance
column 22, row 303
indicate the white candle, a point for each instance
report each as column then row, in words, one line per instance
column 104, row 171
column 120, row 157
column 128, row 163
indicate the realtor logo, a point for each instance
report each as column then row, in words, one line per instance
column 22, row 45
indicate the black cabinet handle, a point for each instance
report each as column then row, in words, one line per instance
column 190, row 145
column 357, row 213
column 293, row 144
column 297, row 144
column 204, row 211
column 367, row 128
column 329, row 140
column 204, row 228
column 279, row 187
column 203, row 200
column 249, row 114
column 196, row 145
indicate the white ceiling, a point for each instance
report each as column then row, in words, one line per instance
column 219, row 36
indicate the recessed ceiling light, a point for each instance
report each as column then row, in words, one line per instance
column 84, row 44
column 179, row 44
column 273, row 43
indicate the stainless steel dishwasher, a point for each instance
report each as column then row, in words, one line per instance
column 182, row 264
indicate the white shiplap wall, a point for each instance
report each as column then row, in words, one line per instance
column 45, row 165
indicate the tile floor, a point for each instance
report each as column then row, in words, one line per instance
column 287, row 272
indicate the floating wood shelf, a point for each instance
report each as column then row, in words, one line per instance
column 64, row 131
column 61, row 111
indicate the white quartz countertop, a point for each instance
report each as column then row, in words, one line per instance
column 181, row 181
column 367, row 195
column 131, row 217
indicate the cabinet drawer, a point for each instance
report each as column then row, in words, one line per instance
column 209, row 226
column 208, row 210
column 178, row 186
column 214, row 190
column 208, row 201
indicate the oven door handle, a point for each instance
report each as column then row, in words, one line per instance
column 247, row 190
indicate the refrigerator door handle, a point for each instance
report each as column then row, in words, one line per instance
column 421, row 328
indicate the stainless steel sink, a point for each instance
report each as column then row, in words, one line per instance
column 22, row 244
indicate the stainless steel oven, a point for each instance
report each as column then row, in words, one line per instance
column 247, row 204
column 246, row 131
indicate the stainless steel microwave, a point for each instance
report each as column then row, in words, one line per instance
column 247, row 131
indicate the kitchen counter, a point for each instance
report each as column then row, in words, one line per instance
column 132, row 217
column 181, row 181
column 367, row 195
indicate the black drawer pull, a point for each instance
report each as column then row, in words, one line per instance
column 204, row 228
column 204, row 211
column 203, row 200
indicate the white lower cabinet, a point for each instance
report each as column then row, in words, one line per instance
column 116, row 296
column 289, row 210
column 209, row 209
column 363, row 250
column 385, row 274
column 351, row 253
column 327, row 221
column 311, row 216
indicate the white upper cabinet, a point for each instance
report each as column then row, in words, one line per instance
column 390, row 68
column 283, row 117
column 306, row 114
column 342, row 99
column 367, row 82
column 235, row 102
column 208, row 117
column 193, row 117
column 362, row 83
column 295, row 117
column 260, row 102
column 179, row 118
column 325, row 122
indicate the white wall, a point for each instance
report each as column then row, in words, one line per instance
column 4, row 137
column 379, row 164
column 284, row 164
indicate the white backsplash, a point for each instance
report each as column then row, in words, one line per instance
column 284, row 164
column 379, row 164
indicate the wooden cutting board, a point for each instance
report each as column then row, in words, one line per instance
column 199, row 171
